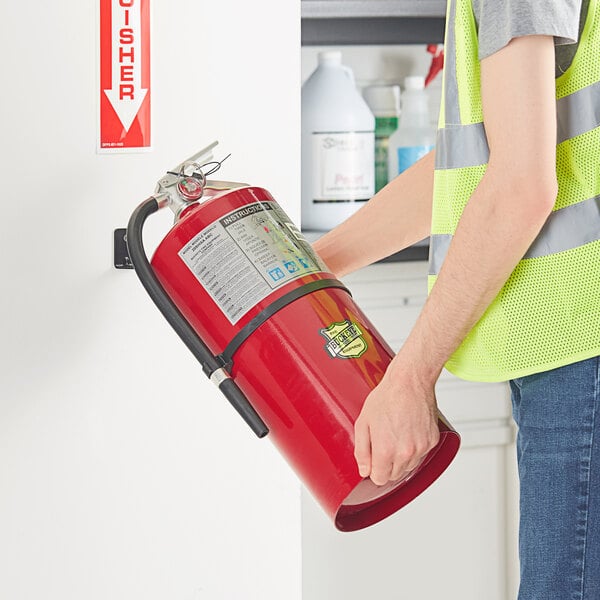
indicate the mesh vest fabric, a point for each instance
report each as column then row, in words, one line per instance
column 548, row 312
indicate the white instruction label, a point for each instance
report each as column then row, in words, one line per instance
column 343, row 166
column 241, row 258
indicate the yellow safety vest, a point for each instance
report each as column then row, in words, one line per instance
column 548, row 313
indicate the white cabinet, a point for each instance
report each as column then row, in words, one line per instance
column 458, row 540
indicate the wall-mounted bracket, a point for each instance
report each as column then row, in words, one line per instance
column 121, row 252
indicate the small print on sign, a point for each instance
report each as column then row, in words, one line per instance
column 124, row 75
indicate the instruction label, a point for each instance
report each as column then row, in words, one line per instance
column 241, row 258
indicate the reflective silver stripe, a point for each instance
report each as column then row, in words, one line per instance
column 578, row 112
column 451, row 106
column 438, row 248
column 461, row 146
column 567, row 228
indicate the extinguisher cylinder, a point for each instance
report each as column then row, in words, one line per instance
column 281, row 338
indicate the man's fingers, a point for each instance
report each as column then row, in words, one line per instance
column 382, row 461
column 405, row 465
column 403, row 469
column 362, row 448
column 381, row 471
column 399, row 472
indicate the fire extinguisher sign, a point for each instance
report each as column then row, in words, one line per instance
column 124, row 76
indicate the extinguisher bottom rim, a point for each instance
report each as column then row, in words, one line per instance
column 353, row 515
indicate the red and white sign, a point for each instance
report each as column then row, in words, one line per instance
column 124, row 75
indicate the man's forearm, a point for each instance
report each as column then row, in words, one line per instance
column 507, row 209
column 495, row 231
column 396, row 217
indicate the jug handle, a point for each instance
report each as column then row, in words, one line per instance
column 349, row 73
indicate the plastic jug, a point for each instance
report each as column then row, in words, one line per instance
column 338, row 145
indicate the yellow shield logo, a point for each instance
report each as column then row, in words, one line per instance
column 344, row 340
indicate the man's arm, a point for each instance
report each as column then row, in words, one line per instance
column 398, row 426
column 396, row 217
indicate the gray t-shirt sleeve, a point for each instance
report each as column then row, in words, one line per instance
column 499, row 21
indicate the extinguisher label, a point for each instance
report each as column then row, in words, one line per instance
column 344, row 340
column 245, row 255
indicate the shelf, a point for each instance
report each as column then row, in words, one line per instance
column 413, row 253
column 418, row 252
column 332, row 9
column 372, row 22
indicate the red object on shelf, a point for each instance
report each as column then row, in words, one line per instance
column 437, row 62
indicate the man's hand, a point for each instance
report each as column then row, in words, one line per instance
column 396, row 428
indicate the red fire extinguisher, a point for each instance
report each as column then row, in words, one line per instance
column 278, row 334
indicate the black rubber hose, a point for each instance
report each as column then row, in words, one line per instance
column 179, row 323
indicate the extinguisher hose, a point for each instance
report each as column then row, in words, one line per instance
column 210, row 364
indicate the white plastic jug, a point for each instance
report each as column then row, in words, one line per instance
column 338, row 145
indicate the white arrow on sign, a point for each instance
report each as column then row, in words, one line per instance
column 126, row 95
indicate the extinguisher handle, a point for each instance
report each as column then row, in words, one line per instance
column 210, row 364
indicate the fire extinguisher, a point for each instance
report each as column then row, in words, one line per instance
column 278, row 334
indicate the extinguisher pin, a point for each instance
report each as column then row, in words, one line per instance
column 195, row 168
column 199, row 171
column 186, row 182
column 203, row 156
column 214, row 169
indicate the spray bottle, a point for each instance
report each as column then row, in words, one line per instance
column 414, row 137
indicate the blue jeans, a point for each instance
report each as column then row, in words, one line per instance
column 558, row 451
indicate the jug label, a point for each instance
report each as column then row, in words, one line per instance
column 343, row 166
column 384, row 127
column 246, row 254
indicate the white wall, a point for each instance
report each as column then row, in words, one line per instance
column 123, row 474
